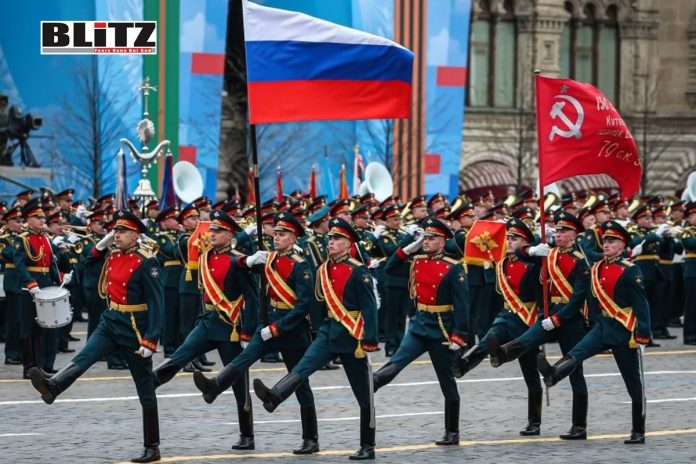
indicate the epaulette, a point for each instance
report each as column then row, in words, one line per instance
column 24, row 234
column 354, row 262
column 578, row 254
column 236, row 253
column 297, row 257
column 627, row 263
column 450, row 260
column 311, row 239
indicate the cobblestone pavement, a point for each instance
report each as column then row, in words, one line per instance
column 98, row 418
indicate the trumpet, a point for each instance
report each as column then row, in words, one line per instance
column 149, row 244
column 78, row 230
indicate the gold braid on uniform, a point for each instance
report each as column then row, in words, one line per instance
column 102, row 284
column 318, row 293
column 27, row 250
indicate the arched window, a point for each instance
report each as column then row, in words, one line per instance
column 590, row 49
column 492, row 58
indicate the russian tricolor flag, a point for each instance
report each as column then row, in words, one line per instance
column 301, row 68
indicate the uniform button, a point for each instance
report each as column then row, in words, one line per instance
column 124, row 284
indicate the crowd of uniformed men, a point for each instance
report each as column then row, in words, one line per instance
column 337, row 279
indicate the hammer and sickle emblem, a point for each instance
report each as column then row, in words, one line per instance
column 573, row 127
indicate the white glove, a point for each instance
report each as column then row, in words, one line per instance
column 547, row 324
column 638, row 249
column 412, row 229
column 73, row 238
column 106, row 241
column 486, row 265
column 81, row 212
column 144, row 352
column 59, row 241
column 257, row 258
column 413, row 247
column 34, row 290
column 266, row 334
column 374, row 263
column 379, row 230
column 244, row 343
column 661, row 229
column 454, row 346
column 251, row 230
column 539, row 250
column 67, row 278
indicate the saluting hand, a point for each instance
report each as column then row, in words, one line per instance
column 106, row 241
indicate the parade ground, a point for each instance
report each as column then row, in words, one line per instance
column 98, row 418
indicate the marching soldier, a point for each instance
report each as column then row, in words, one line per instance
column 189, row 293
column 315, row 253
column 130, row 281
column 230, row 299
column 689, row 242
column 621, row 321
column 35, row 262
column 438, row 285
column 349, row 331
column 290, row 288
column 11, row 285
column 172, row 269
column 517, row 279
column 569, row 283
column 90, row 270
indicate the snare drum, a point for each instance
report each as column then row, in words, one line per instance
column 53, row 307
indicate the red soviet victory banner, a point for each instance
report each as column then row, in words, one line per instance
column 580, row 132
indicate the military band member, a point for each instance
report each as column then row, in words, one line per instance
column 668, row 249
column 689, row 242
column 315, row 254
column 436, row 202
column 517, row 279
column 36, row 265
column 591, row 241
column 349, row 331
column 419, row 208
column 290, row 290
column 621, row 321
column 438, row 285
column 230, row 299
column 151, row 213
column 189, row 293
column 569, row 283
column 130, row 281
column 172, row 270
column 67, row 260
column 676, row 213
column 11, row 284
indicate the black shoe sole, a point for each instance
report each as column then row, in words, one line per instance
column 201, row 383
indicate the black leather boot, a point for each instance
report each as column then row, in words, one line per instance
column 367, row 438
column 200, row 367
column 51, row 387
column 468, row 361
column 164, row 372
column 554, row 374
column 384, row 375
column 310, row 432
column 246, row 429
column 506, row 353
column 272, row 397
column 203, row 361
column 534, row 399
column 211, row 388
column 151, row 436
column 451, row 436
column 578, row 431
column 638, row 433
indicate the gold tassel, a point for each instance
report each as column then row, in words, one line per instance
column 632, row 342
column 235, row 336
column 189, row 278
column 359, row 353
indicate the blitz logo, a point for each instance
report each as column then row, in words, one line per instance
column 98, row 37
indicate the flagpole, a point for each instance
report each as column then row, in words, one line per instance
column 542, row 219
column 259, row 224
